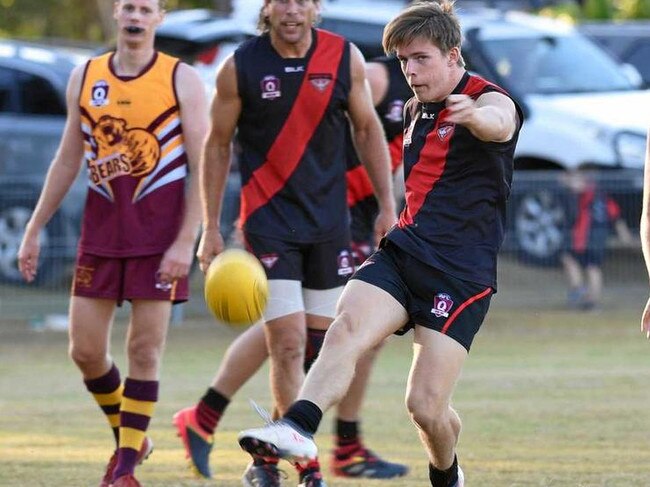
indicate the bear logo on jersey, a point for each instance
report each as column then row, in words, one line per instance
column 128, row 151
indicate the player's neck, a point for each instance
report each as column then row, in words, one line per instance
column 131, row 60
column 289, row 49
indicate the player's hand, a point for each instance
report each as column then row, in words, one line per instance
column 386, row 219
column 176, row 261
column 645, row 320
column 461, row 109
column 210, row 245
column 30, row 249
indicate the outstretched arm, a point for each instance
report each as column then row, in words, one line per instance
column 645, row 233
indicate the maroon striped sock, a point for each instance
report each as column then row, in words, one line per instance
column 138, row 404
column 107, row 391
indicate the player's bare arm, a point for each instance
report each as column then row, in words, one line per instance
column 215, row 160
column 177, row 260
column 491, row 118
column 645, row 232
column 370, row 142
column 63, row 170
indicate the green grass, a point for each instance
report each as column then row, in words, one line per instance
column 547, row 398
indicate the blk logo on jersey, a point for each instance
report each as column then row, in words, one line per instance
column 395, row 111
column 444, row 130
column 345, row 263
column 269, row 260
column 320, row 80
column 442, row 304
column 99, row 94
column 270, row 86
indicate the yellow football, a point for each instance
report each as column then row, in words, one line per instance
column 236, row 288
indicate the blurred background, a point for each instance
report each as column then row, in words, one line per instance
column 580, row 71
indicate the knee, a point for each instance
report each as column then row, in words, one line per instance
column 85, row 356
column 287, row 348
column 143, row 355
column 426, row 410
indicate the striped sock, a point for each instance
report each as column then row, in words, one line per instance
column 138, row 404
column 107, row 391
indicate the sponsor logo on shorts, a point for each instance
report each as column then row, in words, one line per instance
column 442, row 304
column 345, row 263
column 269, row 260
column 84, row 276
column 270, row 86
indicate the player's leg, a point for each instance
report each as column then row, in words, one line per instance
column 437, row 363
column 196, row 424
column 329, row 379
column 573, row 273
column 151, row 306
column 451, row 313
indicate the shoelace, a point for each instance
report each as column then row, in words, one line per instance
column 263, row 413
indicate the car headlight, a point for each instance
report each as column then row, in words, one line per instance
column 630, row 149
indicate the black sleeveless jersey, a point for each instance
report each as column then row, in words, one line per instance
column 291, row 130
column 456, row 190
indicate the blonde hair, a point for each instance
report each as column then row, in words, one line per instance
column 434, row 21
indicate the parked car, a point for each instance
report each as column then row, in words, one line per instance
column 628, row 41
column 33, row 79
column 581, row 107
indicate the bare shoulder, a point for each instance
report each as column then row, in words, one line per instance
column 187, row 78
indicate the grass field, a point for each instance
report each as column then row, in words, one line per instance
column 548, row 398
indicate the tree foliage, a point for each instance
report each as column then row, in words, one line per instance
column 77, row 20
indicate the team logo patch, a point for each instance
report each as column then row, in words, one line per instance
column 345, row 262
column 269, row 260
column 395, row 111
column 270, row 86
column 320, row 80
column 99, row 94
column 445, row 130
column 442, row 304
column 84, row 276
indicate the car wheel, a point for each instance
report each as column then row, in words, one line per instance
column 15, row 212
column 539, row 221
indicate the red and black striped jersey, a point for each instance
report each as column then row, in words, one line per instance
column 456, row 190
column 291, row 130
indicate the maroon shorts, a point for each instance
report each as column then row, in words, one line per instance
column 124, row 278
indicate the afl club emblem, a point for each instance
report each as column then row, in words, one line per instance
column 442, row 304
column 270, row 87
column 99, row 94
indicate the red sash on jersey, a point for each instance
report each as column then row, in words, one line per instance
column 306, row 114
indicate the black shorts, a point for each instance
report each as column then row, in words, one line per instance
column 319, row 266
column 432, row 298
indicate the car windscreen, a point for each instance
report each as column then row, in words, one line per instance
column 554, row 64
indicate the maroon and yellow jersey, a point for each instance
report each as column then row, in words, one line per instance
column 135, row 158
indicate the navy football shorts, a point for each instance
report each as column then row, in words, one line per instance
column 319, row 266
column 432, row 298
